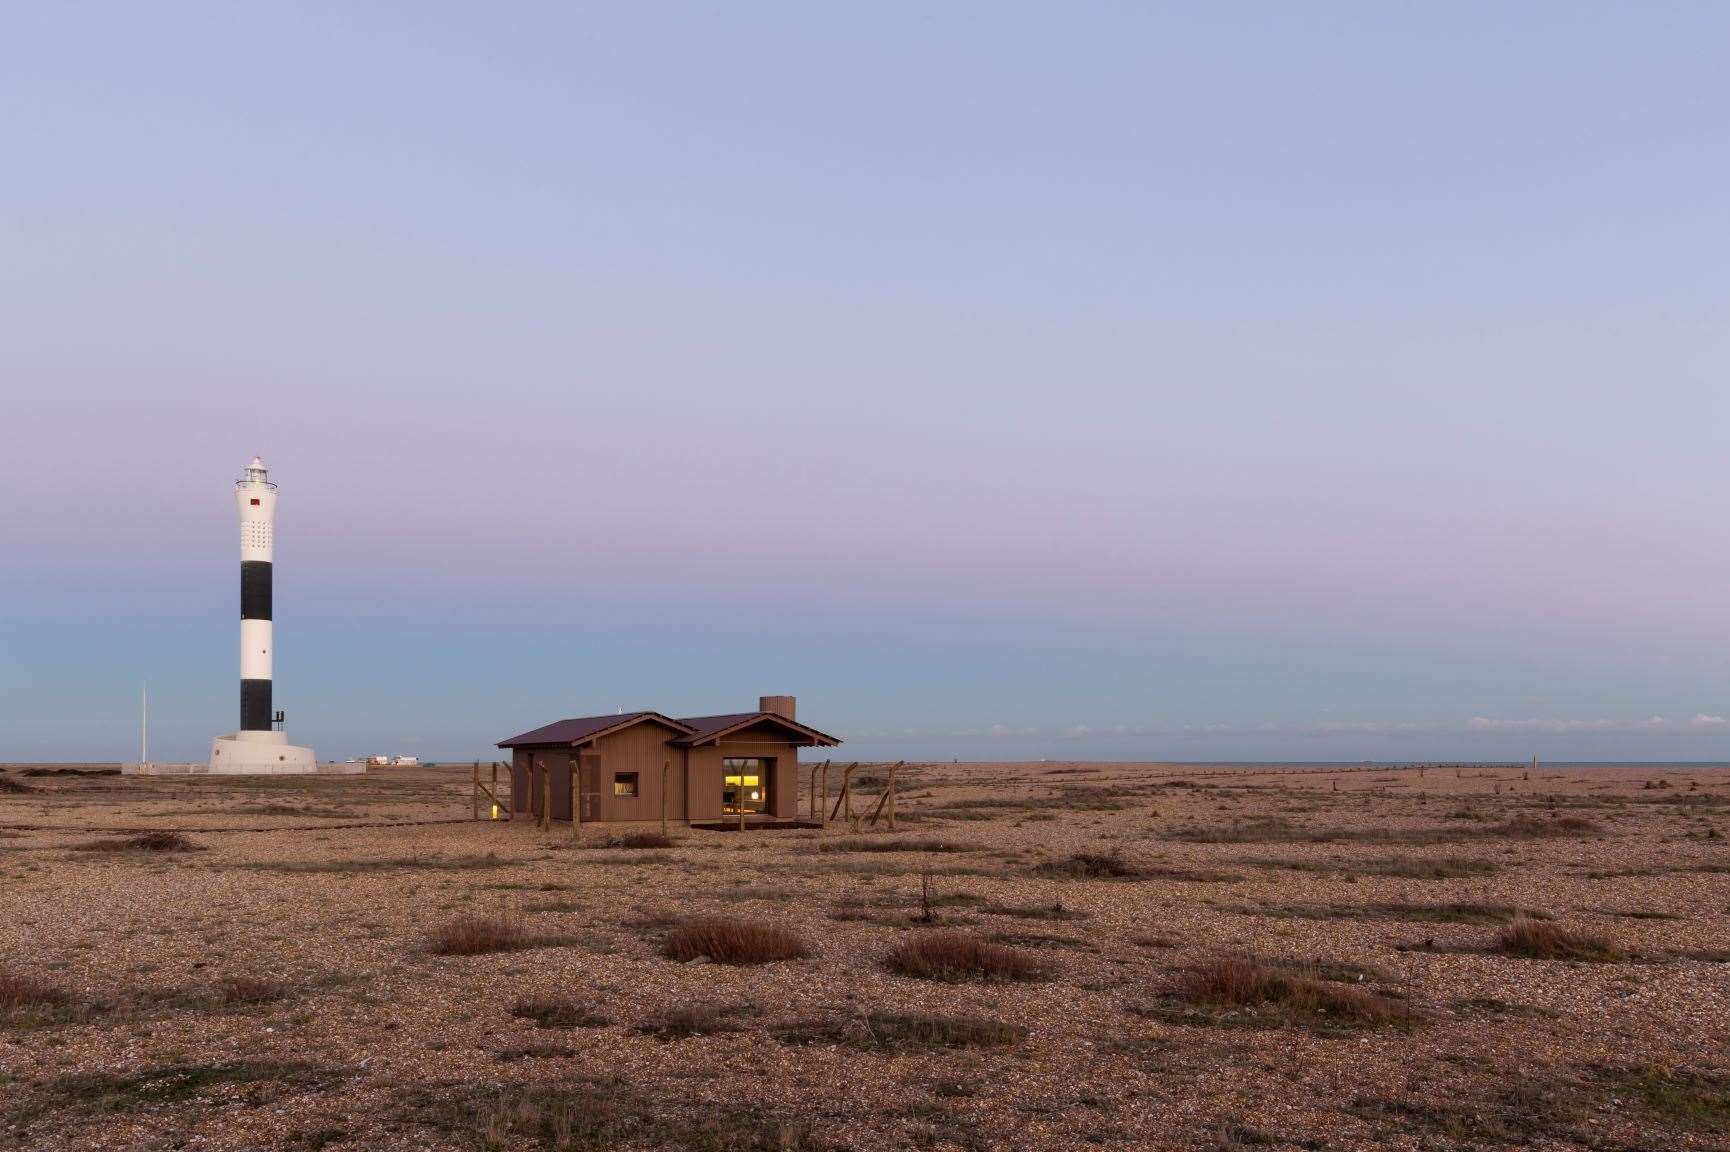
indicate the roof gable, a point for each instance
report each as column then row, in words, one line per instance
column 582, row 729
column 707, row 728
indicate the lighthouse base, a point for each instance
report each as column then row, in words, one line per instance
column 260, row 754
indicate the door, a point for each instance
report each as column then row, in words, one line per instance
column 560, row 767
column 589, row 764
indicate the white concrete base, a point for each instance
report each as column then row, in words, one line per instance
column 260, row 754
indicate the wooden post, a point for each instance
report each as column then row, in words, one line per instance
column 546, row 797
column 892, row 795
column 877, row 811
column 739, row 796
column 665, row 766
column 576, row 799
column 823, row 801
column 886, row 802
column 495, row 792
column 811, row 800
column 845, row 797
column 475, row 794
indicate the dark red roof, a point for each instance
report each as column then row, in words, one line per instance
column 692, row 730
column 582, row 728
column 706, row 728
column 703, row 727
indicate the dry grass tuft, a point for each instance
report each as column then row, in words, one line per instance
column 683, row 1023
column 480, row 934
column 1249, row 984
column 476, row 935
column 890, row 844
column 1092, row 866
column 143, row 842
column 558, row 1012
column 1522, row 827
column 19, row 991
column 637, row 840
column 1543, row 940
column 950, row 955
column 733, row 941
column 240, row 991
column 900, row 1031
column 8, row 784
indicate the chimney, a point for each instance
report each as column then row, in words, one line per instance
column 782, row 706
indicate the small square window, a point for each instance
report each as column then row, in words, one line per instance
column 625, row 784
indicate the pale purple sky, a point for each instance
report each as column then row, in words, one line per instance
column 1225, row 382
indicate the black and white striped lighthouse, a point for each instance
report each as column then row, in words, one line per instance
column 256, row 496
column 257, row 747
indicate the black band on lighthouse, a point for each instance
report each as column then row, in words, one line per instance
column 255, row 705
column 255, row 589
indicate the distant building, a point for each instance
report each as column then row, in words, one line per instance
column 717, row 767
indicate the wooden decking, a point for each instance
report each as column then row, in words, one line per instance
column 752, row 824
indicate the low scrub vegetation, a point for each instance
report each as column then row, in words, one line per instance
column 683, row 1023
column 385, row 864
column 478, row 935
column 1449, row 912
column 895, row 844
column 1053, row 911
column 27, row 1000
column 1109, row 865
column 1543, row 940
column 1684, row 1101
column 168, row 1085
column 246, row 991
column 164, row 841
column 1524, row 826
column 606, row 1115
column 902, row 1031
column 558, row 1012
column 22, row 990
column 1259, row 991
column 951, row 955
column 636, row 840
column 1400, row 867
column 728, row 941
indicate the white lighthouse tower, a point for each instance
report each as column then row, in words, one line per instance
column 258, row 748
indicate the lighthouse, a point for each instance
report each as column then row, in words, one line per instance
column 257, row 747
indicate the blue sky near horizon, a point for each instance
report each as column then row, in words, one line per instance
column 1225, row 382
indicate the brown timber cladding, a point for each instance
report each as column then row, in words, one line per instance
column 693, row 776
column 620, row 761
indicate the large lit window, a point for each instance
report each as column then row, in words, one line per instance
column 745, row 785
column 624, row 783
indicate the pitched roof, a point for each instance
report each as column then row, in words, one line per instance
column 583, row 728
column 707, row 728
column 691, row 730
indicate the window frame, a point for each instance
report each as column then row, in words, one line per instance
column 636, row 782
column 764, row 767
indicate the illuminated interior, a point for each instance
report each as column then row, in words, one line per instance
column 745, row 786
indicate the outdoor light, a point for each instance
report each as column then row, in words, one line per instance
column 495, row 814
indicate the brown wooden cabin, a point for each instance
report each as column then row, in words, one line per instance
column 717, row 767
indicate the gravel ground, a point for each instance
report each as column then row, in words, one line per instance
column 272, row 988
